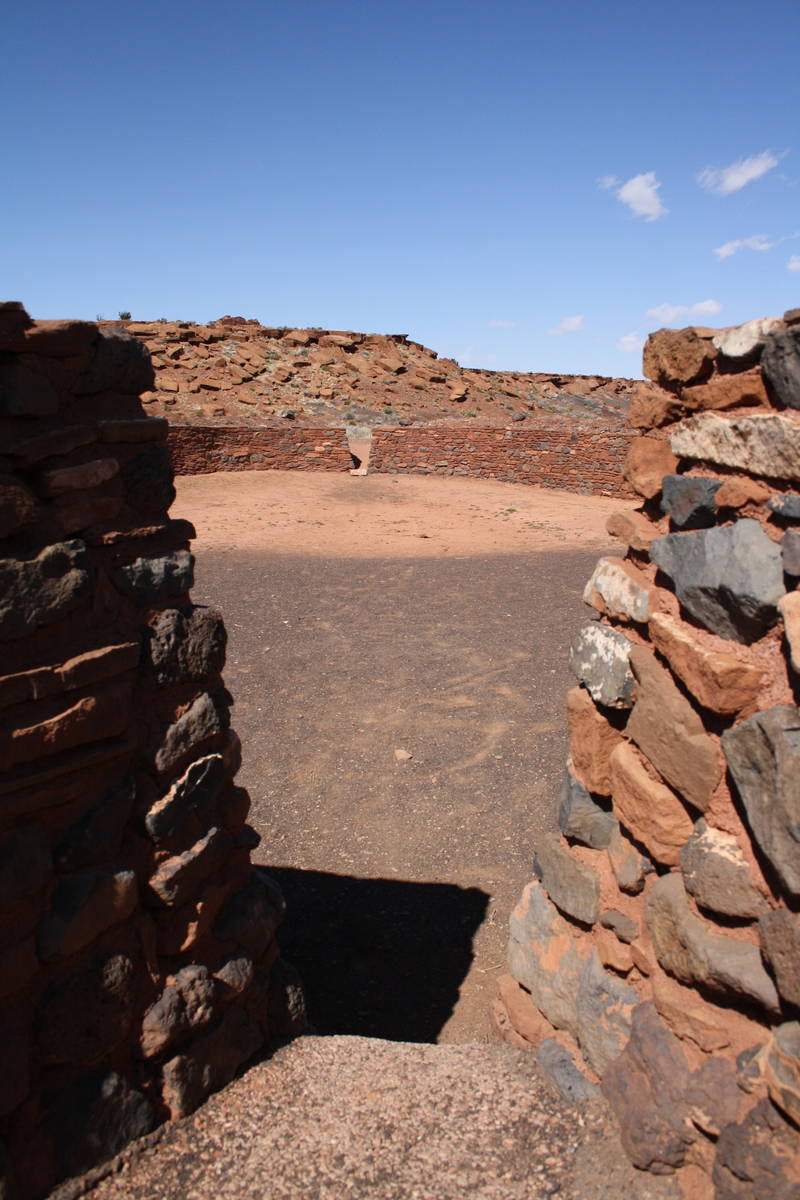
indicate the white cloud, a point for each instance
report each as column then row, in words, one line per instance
column 793, row 263
column 503, row 324
column 607, row 181
column 667, row 314
column 642, row 198
column 724, row 180
column 759, row 241
column 466, row 353
column 568, row 325
column 630, row 343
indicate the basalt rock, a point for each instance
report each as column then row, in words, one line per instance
column 573, row 887
column 689, row 501
column 580, row 819
column 780, row 360
column 716, row 874
column 42, row 588
column 600, row 658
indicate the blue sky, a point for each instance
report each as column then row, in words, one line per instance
column 518, row 185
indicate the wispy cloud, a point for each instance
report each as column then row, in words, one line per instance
column 641, row 196
column 667, row 314
column 629, row 343
column 607, row 181
column 722, row 181
column 759, row 241
column 793, row 263
column 503, row 324
column 568, row 325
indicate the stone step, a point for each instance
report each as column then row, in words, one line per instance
column 336, row 1117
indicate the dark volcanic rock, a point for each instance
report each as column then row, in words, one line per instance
column 780, row 362
column 716, row 874
column 194, row 793
column 758, row 1159
column 689, row 501
column 150, row 581
column 763, row 755
column 790, row 552
column 187, row 644
column 729, row 578
column 786, row 505
column 559, row 1067
column 572, row 887
column 780, row 941
column 119, row 363
column 599, row 657
column 582, row 820
column 604, row 1010
column 42, row 588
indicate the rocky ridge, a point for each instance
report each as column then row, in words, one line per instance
column 237, row 372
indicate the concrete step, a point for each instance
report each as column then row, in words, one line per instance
column 347, row 1117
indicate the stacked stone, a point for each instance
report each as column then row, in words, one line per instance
column 138, row 962
column 658, row 946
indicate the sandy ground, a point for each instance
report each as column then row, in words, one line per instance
column 373, row 615
column 380, row 516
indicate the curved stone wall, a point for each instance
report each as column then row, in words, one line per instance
column 659, row 940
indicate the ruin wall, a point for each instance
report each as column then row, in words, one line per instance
column 202, row 449
column 656, row 951
column 138, row 962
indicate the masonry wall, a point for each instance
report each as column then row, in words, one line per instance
column 575, row 455
column 656, row 951
column 201, row 449
column 138, row 961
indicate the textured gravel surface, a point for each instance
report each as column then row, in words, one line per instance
column 348, row 1117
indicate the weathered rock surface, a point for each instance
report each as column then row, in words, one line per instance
column 780, row 361
column 652, row 406
column 187, row 1004
column 677, row 356
column 251, row 917
column 82, row 1017
column 763, row 444
column 603, row 1012
column 630, row 867
column 786, row 505
column 763, row 755
column 686, row 947
column 150, row 581
column 758, row 1158
column 90, row 1120
column 646, row 464
column 689, row 500
column 790, row 552
column 745, row 341
column 729, row 578
column 633, row 528
column 599, row 657
column 187, row 644
column 544, row 957
column 670, row 733
column 592, row 738
column 741, row 390
column 716, row 874
column 195, row 793
column 646, row 808
column 624, row 927
column 782, row 1069
column 558, row 1066
column 200, row 722
column 580, row 819
column 780, row 942
column 573, row 887
column 718, row 679
column 42, row 588
column 210, row 1063
column 616, row 587
column 120, row 363
column 178, row 876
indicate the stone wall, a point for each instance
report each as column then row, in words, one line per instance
column 657, row 948
column 138, row 961
column 201, row 449
column 577, row 455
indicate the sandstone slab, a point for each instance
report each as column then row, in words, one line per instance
column 195, row 793
column 687, row 948
column 762, row 444
column 599, row 657
column 670, row 733
column 716, row 874
column 592, row 738
column 629, row 865
column 652, row 406
column 730, row 578
column 741, row 389
column 677, row 356
column 187, row 1004
column 573, row 887
column 650, row 812
column 647, row 462
column 763, row 755
column 119, row 363
column 633, row 528
column 177, row 877
column 718, row 678
column 738, row 490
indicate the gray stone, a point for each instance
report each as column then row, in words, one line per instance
column 195, row 793
column 780, row 362
column 729, row 578
column 98, row 834
column 25, row 863
column 573, row 887
column 626, row 929
column 786, row 505
column 119, row 363
column 686, row 947
column 42, row 588
column 629, row 865
column 716, row 874
column 782, row 1069
column 148, row 481
column 186, row 1005
column 558, row 1066
column 252, row 915
column 26, row 393
column 758, row 1158
column 604, row 1008
column 689, row 500
column 599, row 658
column 83, row 1016
column 763, row 755
column 178, row 877
column 780, row 941
column 582, row 820
column 93, row 1118
column 201, row 721
column 645, row 1088
column 544, row 958
column 762, row 444
column 790, row 552
column 150, row 581
column 187, row 645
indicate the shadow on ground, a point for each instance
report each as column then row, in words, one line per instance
column 380, row 958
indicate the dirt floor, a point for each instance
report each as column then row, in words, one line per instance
column 398, row 658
